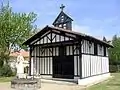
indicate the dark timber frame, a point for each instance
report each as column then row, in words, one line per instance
column 43, row 49
column 55, row 50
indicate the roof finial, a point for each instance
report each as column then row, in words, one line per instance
column 62, row 7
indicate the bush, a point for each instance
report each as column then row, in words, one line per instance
column 14, row 72
column 113, row 68
column 6, row 71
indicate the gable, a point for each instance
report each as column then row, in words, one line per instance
column 52, row 37
column 62, row 18
column 69, row 34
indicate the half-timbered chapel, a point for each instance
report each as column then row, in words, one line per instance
column 59, row 52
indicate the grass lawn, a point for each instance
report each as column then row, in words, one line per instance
column 111, row 84
column 5, row 79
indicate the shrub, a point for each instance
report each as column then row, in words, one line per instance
column 14, row 72
column 113, row 68
column 6, row 71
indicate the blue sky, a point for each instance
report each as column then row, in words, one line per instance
column 94, row 17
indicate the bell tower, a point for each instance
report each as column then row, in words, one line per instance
column 63, row 20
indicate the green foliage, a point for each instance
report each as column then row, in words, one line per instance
column 14, row 72
column 15, row 28
column 6, row 71
column 114, row 53
column 113, row 68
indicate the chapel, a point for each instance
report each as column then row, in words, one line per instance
column 59, row 52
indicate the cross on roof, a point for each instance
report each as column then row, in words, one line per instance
column 62, row 7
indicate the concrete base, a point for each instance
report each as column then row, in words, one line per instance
column 21, row 75
column 93, row 80
column 49, row 77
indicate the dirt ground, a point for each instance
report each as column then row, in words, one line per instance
column 46, row 86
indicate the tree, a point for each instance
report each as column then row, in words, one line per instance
column 114, row 53
column 15, row 28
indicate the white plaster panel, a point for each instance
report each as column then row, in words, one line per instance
column 70, row 50
column 45, row 66
column 92, row 48
column 57, row 38
column 57, row 51
column 107, row 64
column 45, row 39
column 75, row 65
column 37, row 51
column 41, row 41
column 71, row 38
column 51, row 70
column 85, row 65
column 32, row 52
column 82, row 48
column 48, row 65
column 62, row 38
column 89, row 62
column 53, row 35
column 97, row 67
column 92, row 65
column 78, row 65
column 66, row 38
column 50, row 49
column 40, row 66
column 49, row 36
column 87, row 47
column 53, row 51
column 75, row 50
column 67, row 50
column 31, row 66
column 106, row 51
column 37, row 67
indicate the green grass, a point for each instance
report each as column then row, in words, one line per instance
column 5, row 79
column 111, row 84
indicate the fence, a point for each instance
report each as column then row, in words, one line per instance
column 114, row 68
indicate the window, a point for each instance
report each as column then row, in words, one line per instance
column 62, row 19
column 90, row 47
column 60, row 25
column 104, row 51
column 62, row 16
column 95, row 49
column 100, row 49
column 64, row 26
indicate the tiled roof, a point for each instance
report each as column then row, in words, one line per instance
column 22, row 52
column 27, row 42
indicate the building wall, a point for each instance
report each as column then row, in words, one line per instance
column 43, row 61
column 92, row 60
column 94, row 64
